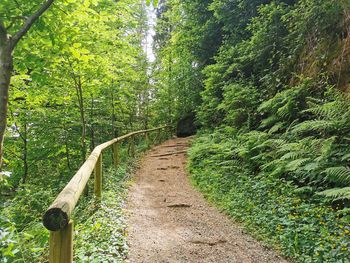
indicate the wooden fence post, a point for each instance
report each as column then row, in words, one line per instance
column 115, row 154
column 170, row 130
column 148, row 143
column 61, row 245
column 98, row 178
column 159, row 139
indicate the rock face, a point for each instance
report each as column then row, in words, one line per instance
column 186, row 126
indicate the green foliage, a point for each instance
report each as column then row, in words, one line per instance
column 79, row 80
column 99, row 227
column 288, row 180
column 278, row 155
column 285, row 107
column 339, row 175
column 183, row 46
column 337, row 193
column 239, row 105
column 100, row 233
column 302, row 225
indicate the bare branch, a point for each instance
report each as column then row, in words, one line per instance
column 29, row 22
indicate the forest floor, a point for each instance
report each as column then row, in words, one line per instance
column 169, row 221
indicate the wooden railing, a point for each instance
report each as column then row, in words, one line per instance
column 57, row 218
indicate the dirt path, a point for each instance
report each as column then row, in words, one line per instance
column 171, row 222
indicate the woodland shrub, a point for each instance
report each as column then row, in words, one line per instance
column 227, row 167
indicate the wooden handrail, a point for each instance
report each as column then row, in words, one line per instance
column 57, row 217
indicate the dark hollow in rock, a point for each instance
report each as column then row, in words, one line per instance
column 186, row 126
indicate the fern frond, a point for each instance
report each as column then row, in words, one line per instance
column 337, row 193
column 295, row 164
column 345, row 157
column 271, row 165
column 289, row 147
column 328, row 110
column 285, row 111
column 291, row 156
column 275, row 143
column 340, row 174
column 276, row 127
column 269, row 121
column 312, row 126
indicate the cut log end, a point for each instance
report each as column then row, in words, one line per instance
column 55, row 219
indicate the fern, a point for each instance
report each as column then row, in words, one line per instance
column 313, row 126
column 295, row 164
column 346, row 157
column 290, row 147
column 291, row 156
column 339, row 175
column 328, row 110
column 271, row 165
column 271, row 143
column 271, row 120
column 337, row 193
column 284, row 107
column 277, row 127
column 286, row 110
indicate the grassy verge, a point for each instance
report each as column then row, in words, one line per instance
column 301, row 225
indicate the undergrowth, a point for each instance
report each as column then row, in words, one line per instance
column 231, row 168
column 99, row 228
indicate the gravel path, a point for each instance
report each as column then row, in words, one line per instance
column 171, row 222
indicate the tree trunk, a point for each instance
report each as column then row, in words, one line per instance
column 113, row 117
column 66, row 147
column 6, row 66
column 171, row 101
column 25, row 151
column 92, row 128
column 79, row 91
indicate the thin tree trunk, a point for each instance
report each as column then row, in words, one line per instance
column 92, row 131
column 66, row 145
column 114, row 118
column 169, row 88
column 25, row 151
column 79, row 91
column 6, row 66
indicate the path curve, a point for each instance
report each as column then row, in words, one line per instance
column 171, row 222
